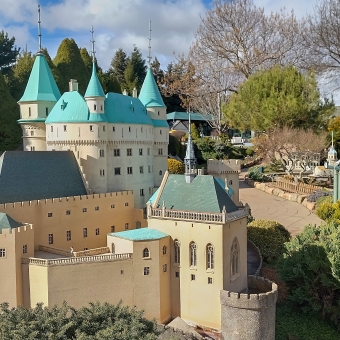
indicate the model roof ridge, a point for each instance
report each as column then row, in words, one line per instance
column 149, row 94
column 41, row 85
column 94, row 88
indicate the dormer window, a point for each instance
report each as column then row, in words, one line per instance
column 95, row 107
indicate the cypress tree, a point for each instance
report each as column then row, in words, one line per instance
column 86, row 59
column 71, row 65
column 56, row 73
column 138, row 66
column 118, row 66
column 10, row 131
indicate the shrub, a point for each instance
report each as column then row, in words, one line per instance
column 175, row 166
column 310, row 266
column 255, row 173
column 269, row 237
column 250, row 151
column 324, row 199
column 325, row 210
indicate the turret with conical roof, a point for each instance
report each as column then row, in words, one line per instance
column 190, row 159
column 40, row 96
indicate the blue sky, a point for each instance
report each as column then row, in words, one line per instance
column 117, row 23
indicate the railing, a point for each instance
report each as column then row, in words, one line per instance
column 91, row 252
column 56, row 251
column 300, row 188
column 75, row 260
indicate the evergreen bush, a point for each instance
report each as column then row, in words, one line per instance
column 269, row 237
column 175, row 166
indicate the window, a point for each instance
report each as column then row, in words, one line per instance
column 101, row 153
column 146, row 252
column 122, row 272
column 101, row 173
column 112, row 206
column 140, row 152
column 141, row 192
column 32, row 133
column 129, row 170
column 84, row 209
column 126, row 226
column 193, row 254
column 234, row 258
column 112, row 229
column 95, row 107
column 126, row 204
column 146, row 270
column 51, row 128
column 46, row 111
column 86, row 248
column 164, row 250
column 141, row 169
column 165, row 268
column 32, row 148
column 29, row 112
column 158, row 113
column 116, row 152
column 129, row 128
column 176, row 274
column 65, row 128
column 177, row 252
column 96, row 208
column 68, row 212
column 84, row 232
column 160, row 172
column 101, row 107
column 113, row 129
column 2, row 252
column 149, row 168
column 160, row 132
column 24, row 249
column 103, row 125
column 210, row 256
column 117, row 171
column 141, row 129
column 68, row 235
column 150, row 190
column 230, row 182
column 91, row 127
column 160, row 152
column 97, row 231
column 49, row 214
column 50, row 238
column 148, row 151
column 209, row 280
column 193, row 277
column 129, row 152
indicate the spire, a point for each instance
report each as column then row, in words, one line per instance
column 149, row 94
column 149, row 57
column 93, row 51
column 39, row 30
column 332, row 140
column 190, row 159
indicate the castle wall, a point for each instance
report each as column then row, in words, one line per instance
column 59, row 215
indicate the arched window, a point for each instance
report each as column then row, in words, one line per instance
column 146, row 252
column 193, row 254
column 164, row 250
column 234, row 258
column 210, row 256
column 177, row 251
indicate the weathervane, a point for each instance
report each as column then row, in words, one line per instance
column 39, row 29
column 149, row 57
column 93, row 41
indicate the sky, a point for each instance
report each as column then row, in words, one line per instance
column 117, row 24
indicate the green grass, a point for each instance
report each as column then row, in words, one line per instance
column 296, row 325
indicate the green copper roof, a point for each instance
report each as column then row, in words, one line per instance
column 149, row 93
column 72, row 108
column 185, row 116
column 7, row 222
column 160, row 123
column 35, row 120
column 41, row 85
column 203, row 194
column 94, row 88
column 125, row 109
column 142, row 234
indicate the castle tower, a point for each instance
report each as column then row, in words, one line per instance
column 190, row 159
column 152, row 100
column 39, row 98
column 332, row 154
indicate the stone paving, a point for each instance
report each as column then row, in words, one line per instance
column 292, row 215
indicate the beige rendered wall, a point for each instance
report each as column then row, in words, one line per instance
column 10, row 267
column 36, row 212
column 121, row 245
column 38, row 285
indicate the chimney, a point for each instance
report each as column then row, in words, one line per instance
column 73, row 85
column 134, row 93
column 125, row 93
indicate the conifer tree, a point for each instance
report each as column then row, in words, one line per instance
column 56, row 73
column 71, row 65
column 10, row 131
column 86, row 59
column 8, row 52
column 137, row 67
column 118, row 66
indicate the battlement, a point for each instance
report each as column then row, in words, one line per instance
column 22, row 229
column 67, row 199
column 223, row 166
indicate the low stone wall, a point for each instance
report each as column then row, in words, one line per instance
column 250, row 316
column 279, row 192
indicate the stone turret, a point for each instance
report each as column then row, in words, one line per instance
column 249, row 316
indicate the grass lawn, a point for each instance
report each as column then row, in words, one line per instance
column 296, row 325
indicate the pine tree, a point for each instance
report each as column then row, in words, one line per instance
column 8, row 52
column 118, row 66
column 138, row 65
column 131, row 81
column 157, row 71
column 71, row 65
column 109, row 83
column 10, row 131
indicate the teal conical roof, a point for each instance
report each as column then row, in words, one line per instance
column 94, row 88
column 7, row 222
column 149, row 94
column 41, row 85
